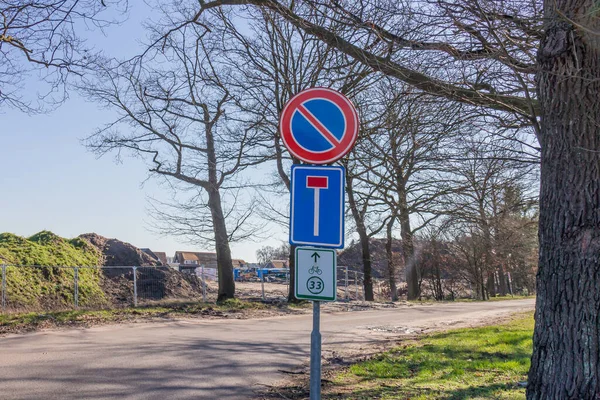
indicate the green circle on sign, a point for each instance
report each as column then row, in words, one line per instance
column 315, row 285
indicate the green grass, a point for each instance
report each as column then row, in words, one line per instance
column 42, row 288
column 499, row 298
column 461, row 300
column 476, row 363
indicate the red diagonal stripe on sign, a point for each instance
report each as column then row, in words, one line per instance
column 322, row 129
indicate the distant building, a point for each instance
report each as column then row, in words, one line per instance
column 279, row 264
column 157, row 255
column 189, row 260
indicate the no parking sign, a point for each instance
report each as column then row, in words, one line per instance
column 319, row 125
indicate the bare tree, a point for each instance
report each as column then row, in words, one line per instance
column 268, row 253
column 482, row 211
column 43, row 36
column 176, row 113
column 405, row 156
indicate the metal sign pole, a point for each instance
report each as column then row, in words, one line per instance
column 315, row 353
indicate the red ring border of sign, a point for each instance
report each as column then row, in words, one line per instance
column 350, row 133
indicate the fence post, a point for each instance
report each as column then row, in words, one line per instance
column 262, row 282
column 203, row 283
column 346, row 283
column 134, row 286
column 356, row 283
column 76, row 294
column 3, row 288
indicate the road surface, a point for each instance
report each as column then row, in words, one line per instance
column 201, row 359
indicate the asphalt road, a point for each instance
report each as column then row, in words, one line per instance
column 202, row 359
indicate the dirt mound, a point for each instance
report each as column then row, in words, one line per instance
column 117, row 253
column 153, row 284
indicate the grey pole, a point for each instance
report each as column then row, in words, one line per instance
column 356, row 283
column 76, row 294
column 4, row 288
column 203, row 283
column 262, row 282
column 346, row 271
column 315, row 354
column 134, row 286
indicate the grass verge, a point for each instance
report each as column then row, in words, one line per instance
column 24, row 322
column 475, row 363
column 461, row 300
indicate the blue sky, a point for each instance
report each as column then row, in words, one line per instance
column 51, row 182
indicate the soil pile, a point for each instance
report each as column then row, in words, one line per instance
column 154, row 282
column 117, row 253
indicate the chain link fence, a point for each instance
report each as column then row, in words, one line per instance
column 39, row 288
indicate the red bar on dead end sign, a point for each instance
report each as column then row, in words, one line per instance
column 317, row 182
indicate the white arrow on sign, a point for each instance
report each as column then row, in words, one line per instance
column 317, row 183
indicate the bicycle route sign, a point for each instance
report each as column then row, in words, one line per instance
column 319, row 125
column 316, row 277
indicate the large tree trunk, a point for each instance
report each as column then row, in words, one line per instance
column 490, row 284
column 408, row 252
column 565, row 362
column 291, row 292
column 363, row 237
column 224, row 263
column 391, row 266
column 366, row 259
column 502, row 281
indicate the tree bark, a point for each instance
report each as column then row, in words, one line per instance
column 565, row 362
column 391, row 267
column 502, row 281
column 408, row 252
column 490, row 284
column 224, row 263
column 291, row 292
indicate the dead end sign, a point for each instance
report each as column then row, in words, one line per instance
column 317, row 206
column 319, row 125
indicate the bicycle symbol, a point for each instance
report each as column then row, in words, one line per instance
column 315, row 270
